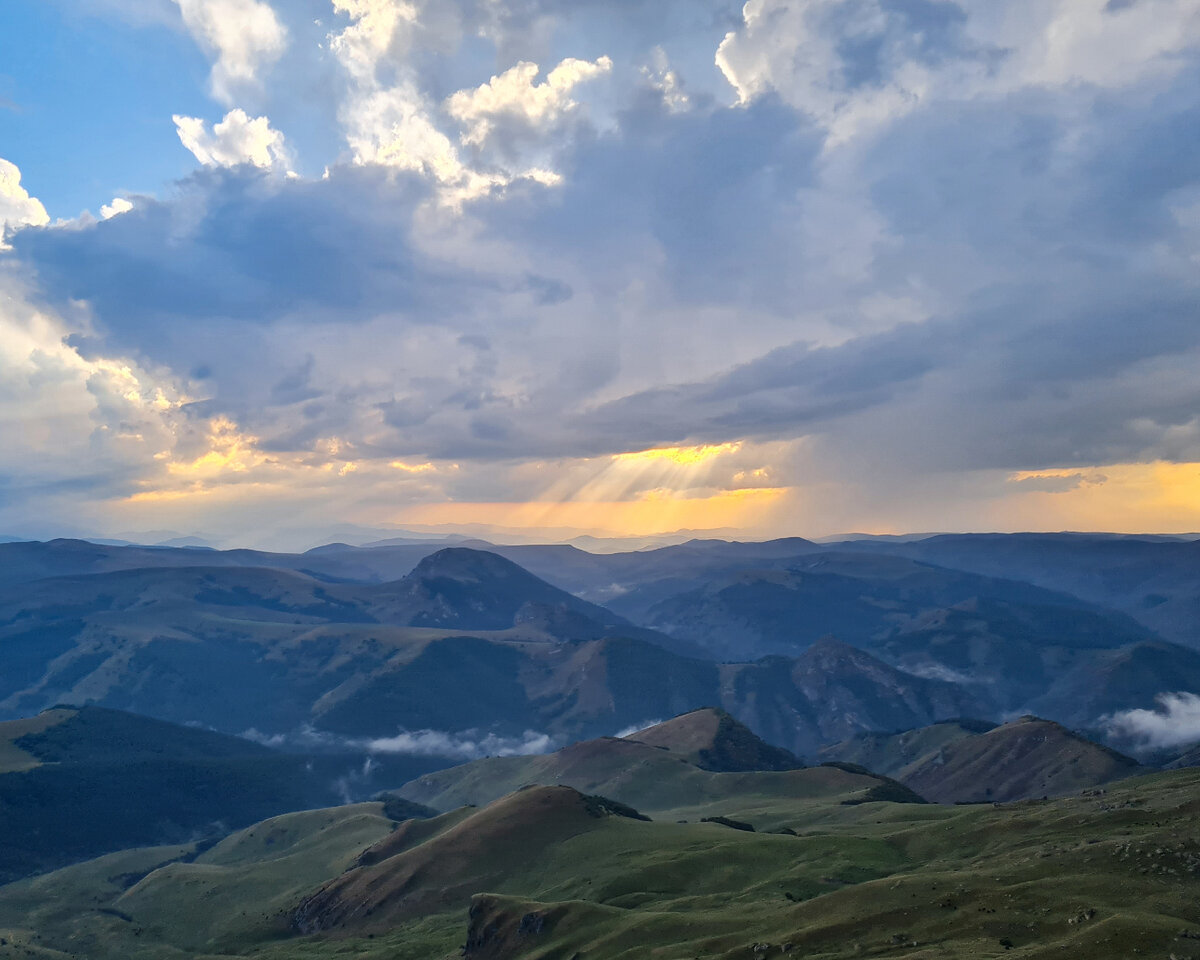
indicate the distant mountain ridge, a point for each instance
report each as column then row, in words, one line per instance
column 364, row 642
column 958, row 762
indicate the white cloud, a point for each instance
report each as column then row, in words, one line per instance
column 116, row 208
column 17, row 208
column 857, row 65
column 636, row 728
column 462, row 744
column 388, row 119
column 1089, row 41
column 373, row 29
column 235, row 140
column 1175, row 721
column 98, row 420
column 244, row 35
column 468, row 745
column 661, row 77
column 514, row 94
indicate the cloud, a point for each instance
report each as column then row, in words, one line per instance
column 235, row 140
column 914, row 249
column 516, row 96
column 468, row 745
column 244, row 35
column 636, row 728
column 1175, row 721
column 118, row 206
column 74, row 429
column 17, row 208
column 462, row 744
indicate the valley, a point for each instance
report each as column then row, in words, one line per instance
column 747, row 750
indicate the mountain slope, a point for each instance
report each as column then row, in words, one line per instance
column 713, row 740
column 537, row 876
column 894, row 754
column 97, row 780
column 1021, row 760
column 644, row 772
column 783, row 607
column 1156, row 581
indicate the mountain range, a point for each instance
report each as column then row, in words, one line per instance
column 467, row 643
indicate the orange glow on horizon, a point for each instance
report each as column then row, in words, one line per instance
column 1157, row 497
column 659, row 512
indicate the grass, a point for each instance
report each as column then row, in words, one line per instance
column 1105, row 875
column 14, row 758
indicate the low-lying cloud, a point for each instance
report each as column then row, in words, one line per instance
column 636, row 728
column 1176, row 720
column 459, row 745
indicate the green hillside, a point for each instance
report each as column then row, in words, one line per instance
column 545, row 873
column 77, row 783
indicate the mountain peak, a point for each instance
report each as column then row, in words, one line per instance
column 466, row 564
column 713, row 740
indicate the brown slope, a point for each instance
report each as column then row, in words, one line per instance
column 895, row 754
column 1028, row 758
column 425, row 866
column 713, row 740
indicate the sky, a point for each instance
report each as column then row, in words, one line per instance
column 274, row 271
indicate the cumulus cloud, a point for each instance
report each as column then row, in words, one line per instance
column 389, row 118
column 75, row 429
column 118, row 206
column 236, row 139
column 516, row 95
column 1175, row 721
column 934, row 236
column 243, row 35
column 17, row 208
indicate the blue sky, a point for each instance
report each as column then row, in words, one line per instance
column 273, row 271
column 90, row 103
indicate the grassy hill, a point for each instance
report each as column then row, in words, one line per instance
column 544, row 873
column 974, row 762
column 713, row 740
column 78, row 783
column 1020, row 760
column 645, row 772
column 894, row 754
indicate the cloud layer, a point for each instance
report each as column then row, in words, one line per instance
column 908, row 256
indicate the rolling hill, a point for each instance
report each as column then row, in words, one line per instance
column 971, row 762
column 75, row 783
column 665, row 770
column 548, row 872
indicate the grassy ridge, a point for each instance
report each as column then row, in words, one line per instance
column 1097, row 875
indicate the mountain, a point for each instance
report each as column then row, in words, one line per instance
column 468, row 643
column 75, row 783
column 1154, row 580
column 861, row 598
column 832, row 691
column 959, row 763
column 713, row 740
column 553, row 872
column 411, row 872
column 236, row 648
column 659, row 771
column 894, row 754
column 467, row 640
